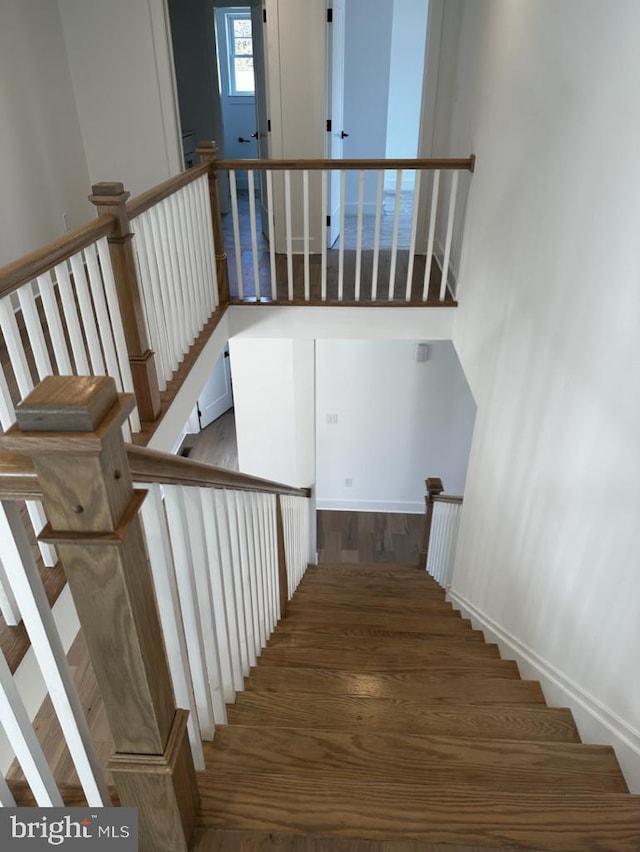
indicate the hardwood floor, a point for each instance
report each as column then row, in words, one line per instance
column 217, row 443
column 391, row 286
column 369, row 537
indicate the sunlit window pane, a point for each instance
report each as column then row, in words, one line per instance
column 242, row 28
column 244, row 75
column 243, row 47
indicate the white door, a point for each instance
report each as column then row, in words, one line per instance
column 262, row 119
column 217, row 394
column 335, row 111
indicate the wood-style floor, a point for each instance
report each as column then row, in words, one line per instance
column 408, row 732
column 369, row 537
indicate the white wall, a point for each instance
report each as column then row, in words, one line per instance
column 399, row 422
column 548, row 331
column 122, row 70
column 408, row 44
column 274, row 420
column 43, row 170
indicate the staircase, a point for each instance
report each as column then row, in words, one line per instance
column 378, row 719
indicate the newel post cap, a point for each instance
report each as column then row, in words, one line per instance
column 80, row 410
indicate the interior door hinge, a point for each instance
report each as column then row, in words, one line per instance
column 329, row 16
column 268, row 125
column 328, row 221
column 264, row 15
column 328, row 125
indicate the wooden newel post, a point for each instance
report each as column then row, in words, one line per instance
column 434, row 487
column 283, row 582
column 208, row 153
column 111, row 199
column 71, row 428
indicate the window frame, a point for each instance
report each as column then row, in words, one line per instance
column 230, row 16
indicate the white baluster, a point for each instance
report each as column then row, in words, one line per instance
column 202, row 189
column 243, row 602
column 254, row 233
column 7, row 414
column 164, row 579
column 394, row 242
column 287, row 211
column 376, row 237
column 102, row 316
column 204, row 689
column 8, row 605
column 32, row 602
column 449, row 237
column 414, row 231
column 38, row 522
column 248, row 575
column 359, row 234
column 24, row 742
column 236, row 232
column 258, row 567
column 324, row 229
column 71, row 319
column 343, row 184
column 116, row 325
column 305, row 208
column 202, row 501
column 6, row 796
column 15, row 349
column 35, row 334
column 159, row 328
column 232, row 605
column 216, row 651
column 87, row 315
column 54, row 324
column 433, row 215
column 184, row 284
column 272, row 236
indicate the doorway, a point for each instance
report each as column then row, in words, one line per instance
column 379, row 49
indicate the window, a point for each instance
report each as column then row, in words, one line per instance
column 240, row 52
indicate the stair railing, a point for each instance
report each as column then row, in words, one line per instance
column 225, row 552
column 442, row 519
column 301, row 197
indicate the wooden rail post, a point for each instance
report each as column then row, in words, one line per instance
column 111, row 199
column 208, row 153
column 283, row 582
column 434, row 487
column 71, row 428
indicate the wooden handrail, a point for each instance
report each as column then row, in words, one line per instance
column 19, row 272
column 462, row 164
column 18, row 480
column 141, row 203
column 153, row 466
column 448, row 498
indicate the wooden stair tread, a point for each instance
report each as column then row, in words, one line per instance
column 377, row 716
column 454, row 685
column 421, row 759
column 345, row 712
column 225, row 840
column 435, row 625
column 350, row 609
column 379, row 659
column 388, row 638
column 382, row 810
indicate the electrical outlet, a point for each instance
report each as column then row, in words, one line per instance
column 348, row 483
column 332, row 419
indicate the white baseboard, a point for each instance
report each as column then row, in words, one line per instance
column 596, row 723
column 338, row 505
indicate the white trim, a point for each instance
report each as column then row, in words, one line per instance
column 596, row 722
column 340, row 505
